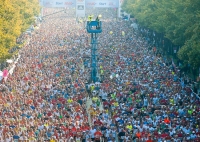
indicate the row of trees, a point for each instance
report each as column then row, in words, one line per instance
column 15, row 17
column 178, row 20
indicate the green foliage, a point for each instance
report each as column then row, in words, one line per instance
column 15, row 17
column 190, row 53
column 177, row 19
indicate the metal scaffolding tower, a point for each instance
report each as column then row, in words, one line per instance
column 94, row 27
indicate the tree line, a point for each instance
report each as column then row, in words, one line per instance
column 16, row 16
column 177, row 20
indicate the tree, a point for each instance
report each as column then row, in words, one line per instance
column 15, row 17
column 178, row 20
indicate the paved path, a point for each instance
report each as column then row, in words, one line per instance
column 88, row 103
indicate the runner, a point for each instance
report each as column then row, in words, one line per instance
column 141, row 93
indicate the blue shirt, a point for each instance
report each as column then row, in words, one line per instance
column 121, row 121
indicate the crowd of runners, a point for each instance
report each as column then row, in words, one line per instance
column 142, row 97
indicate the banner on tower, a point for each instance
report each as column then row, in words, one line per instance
column 80, row 8
column 59, row 3
column 81, row 4
column 102, row 3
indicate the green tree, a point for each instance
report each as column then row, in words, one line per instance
column 15, row 17
column 178, row 20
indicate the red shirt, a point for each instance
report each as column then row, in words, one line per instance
column 80, row 97
column 61, row 99
column 75, row 85
column 49, row 113
column 105, row 103
column 25, row 78
column 78, row 117
column 35, row 104
column 73, row 131
column 39, row 65
column 138, row 134
column 164, row 135
column 167, row 121
column 197, row 140
column 198, row 134
column 97, row 135
column 112, row 101
column 156, row 134
column 64, row 128
column 56, row 135
column 149, row 140
column 87, row 128
column 131, row 108
column 70, row 134
column 115, row 116
column 143, row 133
column 151, row 95
column 79, row 132
column 163, row 101
column 53, row 101
column 180, row 135
column 119, row 95
column 98, row 122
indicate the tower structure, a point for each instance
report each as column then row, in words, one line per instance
column 94, row 27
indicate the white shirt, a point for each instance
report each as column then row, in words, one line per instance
column 1, row 131
column 104, row 95
column 108, row 132
column 8, row 139
column 23, row 138
column 92, row 131
column 41, row 127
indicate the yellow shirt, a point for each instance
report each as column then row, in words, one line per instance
column 69, row 100
column 92, row 88
column 115, row 104
column 46, row 125
column 31, row 139
column 129, row 127
column 95, row 99
column 94, row 112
